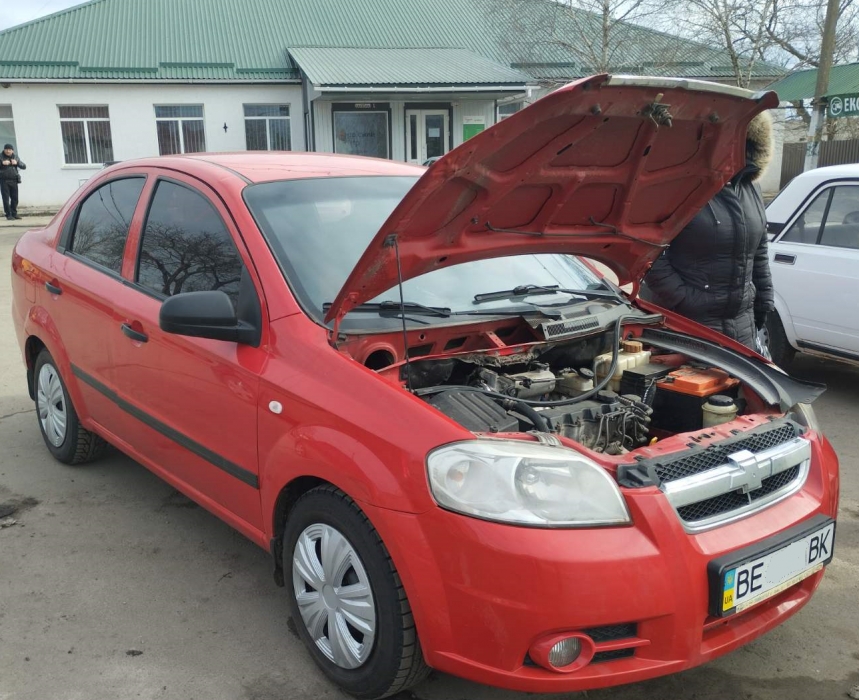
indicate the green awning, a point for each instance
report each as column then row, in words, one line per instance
column 398, row 66
column 843, row 80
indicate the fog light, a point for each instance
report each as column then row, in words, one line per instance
column 562, row 652
column 565, row 652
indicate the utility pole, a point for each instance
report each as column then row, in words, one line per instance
column 818, row 107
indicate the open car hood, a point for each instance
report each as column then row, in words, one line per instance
column 609, row 167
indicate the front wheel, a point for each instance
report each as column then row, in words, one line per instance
column 781, row 350
column 347, row 599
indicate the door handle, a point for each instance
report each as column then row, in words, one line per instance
column 53, row 289
column 784, row 258
column 133, row 334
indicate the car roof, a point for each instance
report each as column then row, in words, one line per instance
column 796, row 191
column 831, row 172
column 267, row 166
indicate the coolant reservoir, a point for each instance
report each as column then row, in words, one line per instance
column 572, row 382
column 634, row 349
column 718, row 409
column 631, row 355
column 602, row 364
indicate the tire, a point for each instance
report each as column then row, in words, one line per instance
column 780, row 349
column 64, row 436
column 377, row 605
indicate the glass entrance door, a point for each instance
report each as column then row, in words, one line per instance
column 427, row 134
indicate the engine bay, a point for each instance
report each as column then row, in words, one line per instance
column 610, row 399
column 628, row 383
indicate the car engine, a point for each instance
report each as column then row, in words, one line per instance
column 610, row 422
column 565, row 390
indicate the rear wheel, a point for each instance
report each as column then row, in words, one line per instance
column 347, row 600
column 780, row 349
column 64, row 436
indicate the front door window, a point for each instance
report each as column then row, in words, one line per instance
column 427, row 134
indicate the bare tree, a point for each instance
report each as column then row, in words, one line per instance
column 795, row 27
column 582, row 37
column 100, row 241
column 175, row 260
column 607, row 35
column 781, row 33
column 737, row 27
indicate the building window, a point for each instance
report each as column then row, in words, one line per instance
column 180, row 129
column 86, row 135
column 267, row 128
column 506, row 110
column 7, row 126
column 362, row 130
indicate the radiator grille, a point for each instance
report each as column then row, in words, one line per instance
column 736, row 499
column 716, row 454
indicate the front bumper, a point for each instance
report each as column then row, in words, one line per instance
column 483, row 593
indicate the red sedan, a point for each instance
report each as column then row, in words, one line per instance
column 464, row 448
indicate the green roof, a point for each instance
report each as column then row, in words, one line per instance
column 797, row 86
column 348, row 66
column 247, row 40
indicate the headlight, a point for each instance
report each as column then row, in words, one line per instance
column 524, row 483
column 804, row 414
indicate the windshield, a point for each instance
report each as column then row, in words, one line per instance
column 319, row 228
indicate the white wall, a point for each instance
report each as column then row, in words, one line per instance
column 323, row 126
column 771, row 178
column 48, row 181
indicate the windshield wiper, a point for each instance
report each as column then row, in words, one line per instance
column 524, row 290
column 384, row 308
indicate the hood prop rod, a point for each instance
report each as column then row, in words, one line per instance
column 391, row 241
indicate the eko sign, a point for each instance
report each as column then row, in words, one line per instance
column 843, row 106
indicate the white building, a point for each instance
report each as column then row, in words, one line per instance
column 404, row 79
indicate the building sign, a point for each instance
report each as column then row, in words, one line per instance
column 471, row 126
column 843, row 106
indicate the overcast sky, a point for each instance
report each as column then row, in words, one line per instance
column 14, row 12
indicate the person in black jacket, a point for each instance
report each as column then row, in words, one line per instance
column 10, row 164
column 716, row 271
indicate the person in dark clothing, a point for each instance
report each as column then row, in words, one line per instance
column 716, row 271
column 10, row 164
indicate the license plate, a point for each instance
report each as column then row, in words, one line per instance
column 747, row 577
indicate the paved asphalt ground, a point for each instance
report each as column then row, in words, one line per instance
column 114, row 586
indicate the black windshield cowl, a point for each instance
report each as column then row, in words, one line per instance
column 524, row 290
column 394, row 308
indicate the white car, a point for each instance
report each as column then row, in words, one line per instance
column 814, row 257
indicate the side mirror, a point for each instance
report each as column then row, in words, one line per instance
column 205, row 315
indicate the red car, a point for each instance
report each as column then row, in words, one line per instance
column 464, row 448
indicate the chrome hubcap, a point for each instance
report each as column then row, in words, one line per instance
column 334, row 595
column 51, row 404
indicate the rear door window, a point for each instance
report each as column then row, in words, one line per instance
column 841, row 228
column 832, row 219
column 186, row 247
column 103, row 221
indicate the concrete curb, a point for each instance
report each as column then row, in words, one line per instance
column 23, row 224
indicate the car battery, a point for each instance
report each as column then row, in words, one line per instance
column 682, row 393
column 641, row 380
